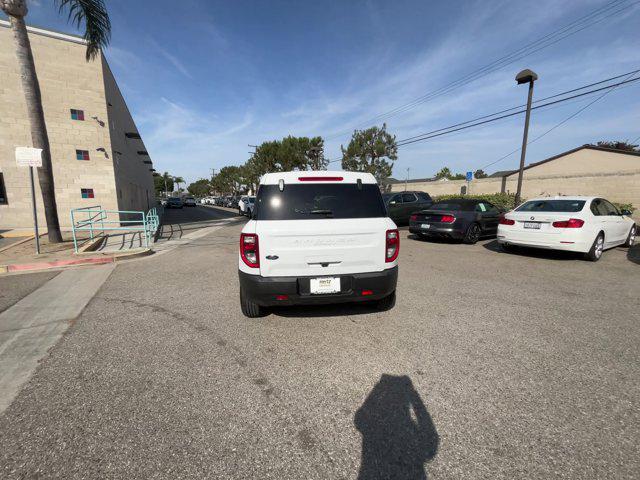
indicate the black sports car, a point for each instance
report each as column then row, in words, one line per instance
column 458, row 218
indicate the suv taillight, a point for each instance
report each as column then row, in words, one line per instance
column 447, row 219
column 507, row 221
column 392, row 245
column 413, row 217
column 249, row 249
column 571, row 223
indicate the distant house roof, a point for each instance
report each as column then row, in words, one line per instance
column 506, row 173
column 501, row 173
column 392, row 180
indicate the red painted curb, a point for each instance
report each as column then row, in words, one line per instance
column 58, row 263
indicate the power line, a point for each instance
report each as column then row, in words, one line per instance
column 468, row 124
column 524, row 105
column 445, row 131
column 539, row 44
column 575, row 114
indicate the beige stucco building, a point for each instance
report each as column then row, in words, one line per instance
column 586, row 170
column 97, row 154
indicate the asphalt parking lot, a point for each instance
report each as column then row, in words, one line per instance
column 491, row 365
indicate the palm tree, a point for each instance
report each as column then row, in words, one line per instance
column 168, row 183
column 94, row 15
column 178, row 181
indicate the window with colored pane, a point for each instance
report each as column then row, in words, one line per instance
column 82, row 155
column 87, row 192
column 77, row 114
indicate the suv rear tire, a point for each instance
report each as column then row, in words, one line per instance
column 250, row 309
column 386, row 303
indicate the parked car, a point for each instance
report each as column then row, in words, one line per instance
column 189, row 202
column 318, row 238
column 401, row 205
column 251, row 202
column 242, row 205
column 458, row 218
column 576, row 224
column 174, row 202
column 245, row 204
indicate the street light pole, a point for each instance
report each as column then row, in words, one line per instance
column 406, row 181
column 525, row 76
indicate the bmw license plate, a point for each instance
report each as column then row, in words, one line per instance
column 325, row 285
column 425, row 226
column 534, row 225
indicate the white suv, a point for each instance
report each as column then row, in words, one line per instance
column 318, row 238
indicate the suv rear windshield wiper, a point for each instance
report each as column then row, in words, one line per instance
column 315, row 212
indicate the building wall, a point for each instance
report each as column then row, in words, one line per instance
column 67, row 81
column 610, row 175
column 134, row 181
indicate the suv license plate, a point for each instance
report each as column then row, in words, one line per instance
column 325, row 285
column 534, row 225
column 425, row 226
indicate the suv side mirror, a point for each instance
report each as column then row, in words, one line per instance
column 625, row 212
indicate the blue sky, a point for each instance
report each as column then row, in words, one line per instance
column 205, row 78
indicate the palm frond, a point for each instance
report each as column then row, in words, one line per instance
column 97, row 26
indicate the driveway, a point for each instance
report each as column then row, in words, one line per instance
column 491, row 365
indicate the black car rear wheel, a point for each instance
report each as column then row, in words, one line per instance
column 473, row 234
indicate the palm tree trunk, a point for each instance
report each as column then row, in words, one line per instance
column 39, row 136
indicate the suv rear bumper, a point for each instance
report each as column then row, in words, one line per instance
column 263, row 290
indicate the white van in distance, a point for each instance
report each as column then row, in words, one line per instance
column 318, row 237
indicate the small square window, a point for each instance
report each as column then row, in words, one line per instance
column 87, row 192
column 82, row 155
column 77, row 114
column 3, row 193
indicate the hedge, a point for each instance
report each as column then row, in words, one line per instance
column 506, row 201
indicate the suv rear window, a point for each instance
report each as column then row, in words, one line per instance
column 319, row 201
column 551, row 206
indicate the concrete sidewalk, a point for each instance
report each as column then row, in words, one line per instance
column 32, row 326
column 21, row 256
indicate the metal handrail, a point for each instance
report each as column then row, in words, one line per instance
column 97, row 222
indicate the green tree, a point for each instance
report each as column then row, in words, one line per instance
column 479, row 174
column 619, row 145
column 97, row 30
column 443, row 173
column 199, row 188
column 373, row 150
column 315, row 154
column 228, row 180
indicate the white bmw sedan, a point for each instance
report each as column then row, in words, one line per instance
column 577, row 224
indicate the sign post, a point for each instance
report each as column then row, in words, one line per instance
column 31, row 157
column 469, row 178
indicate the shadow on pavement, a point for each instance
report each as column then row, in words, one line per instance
column 398, row 434
column 633, row 254
column 178, row 222
column 494, row 246
column 331, row 310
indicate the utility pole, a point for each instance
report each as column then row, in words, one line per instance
column 525, row 76
column 406, row 181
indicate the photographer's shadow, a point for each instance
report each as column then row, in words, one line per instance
column 398, row 435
